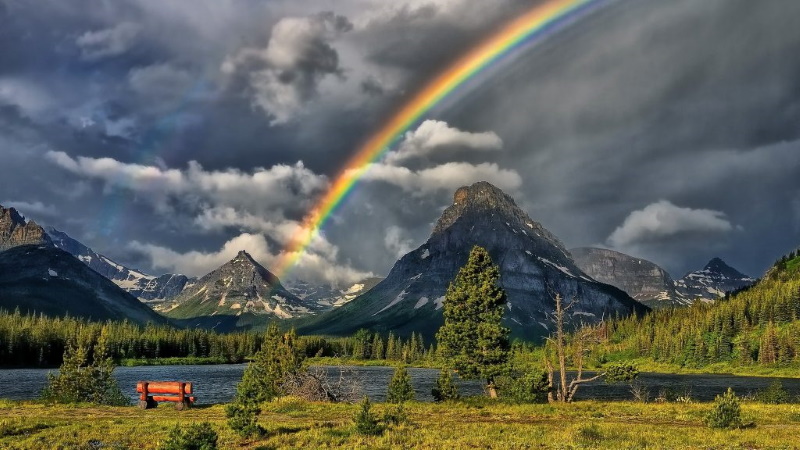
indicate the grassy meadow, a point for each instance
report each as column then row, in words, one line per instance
column 472, row 423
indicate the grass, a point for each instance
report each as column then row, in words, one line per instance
column 173, row 361
column 474, row 423
column 648, row 365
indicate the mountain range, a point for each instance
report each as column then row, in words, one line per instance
column 534, row 266
column 242, row 293
column 650, row 284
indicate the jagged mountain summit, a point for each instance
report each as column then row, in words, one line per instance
column 534, row 265
column 16, row 231
column 641, row 279
column 44, row 279
column 325, row 297
column 240, row 287
column 145, row 287
column 715, row 280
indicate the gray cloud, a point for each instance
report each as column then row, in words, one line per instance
column 695, row 102
column 284, row 75
column 108, row 42
column 661, row 220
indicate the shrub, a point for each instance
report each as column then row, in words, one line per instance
column 365, row 421
column 81, row 380
column 198, row 436
column 445, row 389
column 530, row 387
column 395, row 416
column 242, row 418
column 774, row 394
column 400, row 389
column 621, row 372
column 277, row 361
column 726, row 412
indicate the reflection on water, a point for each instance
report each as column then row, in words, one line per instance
column 217, row 384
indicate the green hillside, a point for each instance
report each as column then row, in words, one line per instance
column 757, row 326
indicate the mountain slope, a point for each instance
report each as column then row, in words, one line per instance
column 714, row 281
column 533, row 265
column 641, row 279
column 323, row 297
column 758, row 325
column 42, row 279
column 143, row 286
column 15, row 231
column 240, row 287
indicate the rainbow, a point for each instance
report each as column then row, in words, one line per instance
column 535, row 24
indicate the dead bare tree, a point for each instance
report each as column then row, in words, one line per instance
column 317, row 385
column 582, row 340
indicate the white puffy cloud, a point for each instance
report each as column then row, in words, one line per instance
column 396, row 241
column 255, row 204
column 283, row 76
column 198, row 263
column 433, row 135
column 108, row 42
column 444, row 177
column 663, row 219
column 262, row 189
column 310, row 266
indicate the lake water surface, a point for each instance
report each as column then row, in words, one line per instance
column 217, row 383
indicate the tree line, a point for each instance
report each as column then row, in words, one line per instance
column 757, row 325
column 40, row 341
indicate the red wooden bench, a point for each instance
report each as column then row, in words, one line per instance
column 176, row 391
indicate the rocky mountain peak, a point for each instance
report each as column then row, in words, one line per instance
column 15, row 231
column 239, row 286
column 533, row 265
column 720, row 267
column 483, row 199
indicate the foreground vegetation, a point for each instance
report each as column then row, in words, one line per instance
column 474, row 423
column 758, row 327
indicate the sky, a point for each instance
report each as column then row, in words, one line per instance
column 170, row 134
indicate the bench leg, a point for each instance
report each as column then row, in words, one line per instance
column 148, row 404
column 180, row 406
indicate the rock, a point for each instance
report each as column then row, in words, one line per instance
column 43, row 279
column 715, row 280
column 15, row 231
column 643, row 280
column 240, row 287
column 534, row 265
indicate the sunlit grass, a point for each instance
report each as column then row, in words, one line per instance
column 475, row 423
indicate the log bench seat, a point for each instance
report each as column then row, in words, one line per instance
column 178, row 392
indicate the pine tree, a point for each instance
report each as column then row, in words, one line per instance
column 472, row 334
column 400, row 389
column 444, row 389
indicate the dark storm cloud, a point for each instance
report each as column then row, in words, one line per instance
column 686, row 102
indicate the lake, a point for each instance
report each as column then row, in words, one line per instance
column 217, row 383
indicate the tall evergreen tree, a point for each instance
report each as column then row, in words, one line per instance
column 472, row 335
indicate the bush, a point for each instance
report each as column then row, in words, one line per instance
column 198, row 436
column 277, row 361
column 530, row 387
column 400, row 389
column 242, row 417
column 365, row 421
column 395, row 416
column 774, row 394
column 621, row 372
column 81, row 380
column 445, row 389
column 726, row 412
